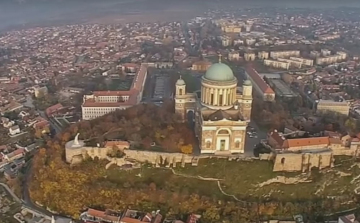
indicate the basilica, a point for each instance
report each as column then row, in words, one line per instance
column 221, row 110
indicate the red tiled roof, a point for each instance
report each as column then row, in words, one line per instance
column 278, row 138
column 306, row 142
column 136, row 88
column 254, row 75
column 53, row 109
column 41, row 124
column 101, row 214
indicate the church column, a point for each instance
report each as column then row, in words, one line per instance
column 206, row 92
column 223, row 97
column 216, row 95
column 229, row 97
column 234, row 94
column 211, row 91
column 202, row 94
column 224, row 103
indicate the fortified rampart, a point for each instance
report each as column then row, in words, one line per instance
column 75, row 152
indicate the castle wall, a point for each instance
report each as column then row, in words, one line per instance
column 302, row 162
column 138, row 155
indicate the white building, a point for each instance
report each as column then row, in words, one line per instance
column 14, row 130
column 103, row 102
column 284, row 54
column 304, row 61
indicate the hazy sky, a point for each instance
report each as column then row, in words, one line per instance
column 52, row 11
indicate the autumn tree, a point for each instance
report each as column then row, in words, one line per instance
column 187, row 149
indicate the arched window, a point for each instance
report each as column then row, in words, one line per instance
column 180, row 91
column 237, row 144
column 282, row 160
column 223, row 132
column 208, row 144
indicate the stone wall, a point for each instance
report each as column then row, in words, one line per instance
column 303, row 162
column 76, row 155
column 282, row 162
column 346, row 152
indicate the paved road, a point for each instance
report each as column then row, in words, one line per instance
column 251, row 142
column 10, row 192
column 26, row 202
column 26, row 195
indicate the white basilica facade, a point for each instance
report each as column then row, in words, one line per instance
column 221, row 109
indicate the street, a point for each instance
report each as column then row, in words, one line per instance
column 250, row 143
column 26, row 196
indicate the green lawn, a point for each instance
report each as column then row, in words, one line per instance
column 240, row 178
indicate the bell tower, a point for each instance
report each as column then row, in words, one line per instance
column 180, row 99
column 247, row 99
column 180, row 87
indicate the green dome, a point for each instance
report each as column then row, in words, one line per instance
column 247, row 83
column 219, row 72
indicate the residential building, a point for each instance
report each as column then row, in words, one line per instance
column 233, row 56
column 12, row 106
column 128, row 216
column 304, row 61
column 330, row 59
column 284, row 54
column 52, row 110
column 292, row 63
column 40, row 91
column 263, row 55
column 201, row 66
column 13, row 130
column 277, row 64
column 341, row 107
column 16, row 154
column 231, row 29
column 260, row 86
column 249, row 56
column 226, row 41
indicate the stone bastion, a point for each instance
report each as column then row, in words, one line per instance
column 76, row 151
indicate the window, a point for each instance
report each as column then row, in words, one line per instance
column 282, row 160
column 180, row 91
column 220, row 100
column 208, row 144
column 237, row 144
column 212, row 99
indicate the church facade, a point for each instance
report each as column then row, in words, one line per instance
column 221, row 110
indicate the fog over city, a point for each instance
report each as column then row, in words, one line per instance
column 21, row 13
